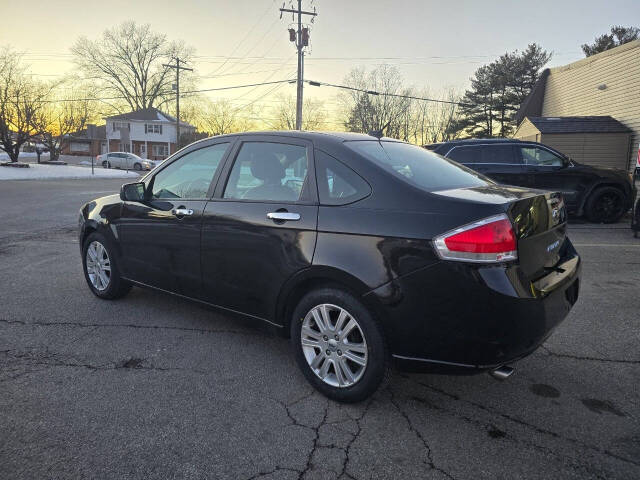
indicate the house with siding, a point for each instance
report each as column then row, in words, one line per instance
column 597, row 94
column 149, row 133
column 89, row 141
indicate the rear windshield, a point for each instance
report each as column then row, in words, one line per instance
column 418, row 166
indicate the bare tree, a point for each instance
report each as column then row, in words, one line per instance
column 364, row 112
column 314, row 114
column 127, row 61
column 64, row 114
column 218, row 118
column 440, row 120
column 21, row 101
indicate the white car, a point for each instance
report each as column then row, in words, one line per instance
column 124, row 160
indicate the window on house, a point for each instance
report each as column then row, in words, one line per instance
column 159, row 150
column 119, row 125
column 152, row 128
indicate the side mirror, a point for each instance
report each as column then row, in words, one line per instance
column 133, row 192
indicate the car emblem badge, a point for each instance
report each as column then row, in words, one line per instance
column 553, row 245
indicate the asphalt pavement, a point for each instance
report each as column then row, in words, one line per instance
column 151, row 386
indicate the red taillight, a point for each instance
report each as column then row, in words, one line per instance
column 488, row 240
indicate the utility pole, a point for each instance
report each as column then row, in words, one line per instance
column 301, row 37
column 178, row 67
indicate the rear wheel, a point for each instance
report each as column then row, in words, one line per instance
column 101, row 269
column 338, row 345
column 106, row 164
column 605, row 205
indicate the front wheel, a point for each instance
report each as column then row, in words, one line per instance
column 338, row 345
column 137, row 166
column 101, row 268
column 605, row 205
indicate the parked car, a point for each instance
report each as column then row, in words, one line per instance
column 602, row 195
column 360, row 250
column 129, row 161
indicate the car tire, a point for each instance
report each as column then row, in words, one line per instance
column 359, row 381
column 605, row 205
column 106, row 164
column 137, row 166
column 114, row 286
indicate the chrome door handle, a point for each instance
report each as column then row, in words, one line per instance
column 181, row 212
column 284, row 216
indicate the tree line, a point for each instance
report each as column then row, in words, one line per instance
column 125, row 69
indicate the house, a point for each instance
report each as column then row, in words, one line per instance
column 90, row 141
column 605, row 85
column 149, row 133
column 598, row 140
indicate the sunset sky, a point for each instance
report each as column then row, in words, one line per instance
column 434, row 44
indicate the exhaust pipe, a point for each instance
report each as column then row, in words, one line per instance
column 502, row 373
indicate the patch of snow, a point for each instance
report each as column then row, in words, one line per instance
column 24, row 155
column 41, row 172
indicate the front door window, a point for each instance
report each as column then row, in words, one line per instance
column 190, row 176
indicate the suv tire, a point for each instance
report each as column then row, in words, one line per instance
column 605, row 205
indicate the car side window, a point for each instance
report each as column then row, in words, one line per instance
column 268, row 171
column 465, row 155
column 190, row 176
column 504, row 154
column 540, row 157
column 337, row 183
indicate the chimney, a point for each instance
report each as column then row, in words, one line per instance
column 91, row 130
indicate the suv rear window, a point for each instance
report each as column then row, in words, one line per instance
column 418, row 166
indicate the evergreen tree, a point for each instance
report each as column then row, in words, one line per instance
column 497, row 91
column 619, row 35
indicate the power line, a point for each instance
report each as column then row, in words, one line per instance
column 235, row 49
column 122, row 97
column 385, row 94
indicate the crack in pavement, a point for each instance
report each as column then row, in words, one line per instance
column 489, row 427
column 130, row 325
column 524, row 423
column 309, row 466
column 551, row 353
column 49, row 360
column 430, row 463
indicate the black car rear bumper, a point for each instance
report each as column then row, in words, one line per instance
column 461, row 318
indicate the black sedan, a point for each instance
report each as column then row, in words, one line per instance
column 361, row 250
column 602, row 195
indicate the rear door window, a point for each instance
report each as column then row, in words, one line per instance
column 266, row 171
column 418, row 166
column 499, row 154
column 337, row 183
column 465, row 155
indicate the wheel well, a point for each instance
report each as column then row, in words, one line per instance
column 301, row 289
column 88, row 230
column 598, row 186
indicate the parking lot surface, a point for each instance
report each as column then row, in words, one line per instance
column 152, row 386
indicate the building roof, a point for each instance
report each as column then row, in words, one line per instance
column 532, row 105
column 147, row 115
column 600, row 124
column 96, row 133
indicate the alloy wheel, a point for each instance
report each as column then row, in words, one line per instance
column 334, row 345
column 98, row 266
